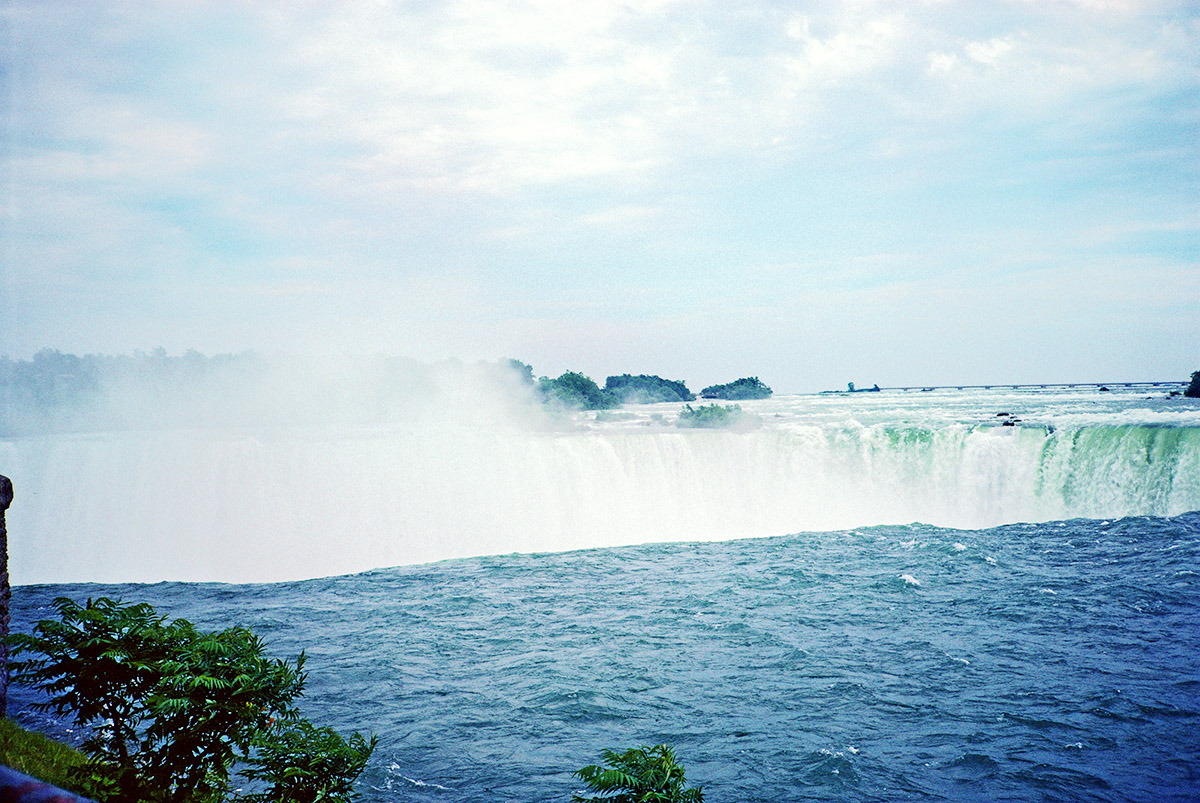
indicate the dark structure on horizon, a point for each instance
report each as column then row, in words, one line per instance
column 1029, row 385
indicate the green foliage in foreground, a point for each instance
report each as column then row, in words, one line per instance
column 1193, row 390
column 710, row 416
column 43, row 758
column 639, row 775
column 305, row 764
column 172, row 710
column 746, row 388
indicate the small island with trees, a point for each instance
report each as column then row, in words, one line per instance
column 750, row 387
column 573, row 390
column 645, row 389
column 81, row 392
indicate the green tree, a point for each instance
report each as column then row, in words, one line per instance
column 524, row 370
column 213, row 694
column 576, row 391
column 750, row 387
column 639, row 775
column 647, row 389
column 304, row 764
column 710, row 416
column 170, row 709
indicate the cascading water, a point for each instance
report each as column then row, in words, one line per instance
column 274, row 503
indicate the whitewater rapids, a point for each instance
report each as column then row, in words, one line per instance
column 274, row 503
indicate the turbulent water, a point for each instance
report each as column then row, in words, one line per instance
column 265, row 503
column 1047, row 650
column 1028, row 662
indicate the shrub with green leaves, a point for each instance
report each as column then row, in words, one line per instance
column 639, row 775
column 710, row 416
column 170, row 709
column 304, row 764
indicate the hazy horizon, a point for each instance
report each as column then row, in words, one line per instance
column 333, row 368
column 896, row 193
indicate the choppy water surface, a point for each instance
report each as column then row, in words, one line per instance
column 1057, row 661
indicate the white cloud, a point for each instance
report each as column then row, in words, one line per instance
column 412, row 141
column 990, row 51
column 942, row 62
column 488, row 97
column 623, row 217
column 859, row 48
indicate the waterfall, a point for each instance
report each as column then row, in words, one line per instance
column 275, row 503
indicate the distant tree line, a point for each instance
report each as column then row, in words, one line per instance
column 60, row 392
column 54, row 379
column 76, row 391
column 66, row 392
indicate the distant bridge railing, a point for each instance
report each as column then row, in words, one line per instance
column 1041, row 385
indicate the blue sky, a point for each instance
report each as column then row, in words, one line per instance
column 813, row 193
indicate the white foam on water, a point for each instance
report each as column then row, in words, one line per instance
column 419, row 783
column 491, row 475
